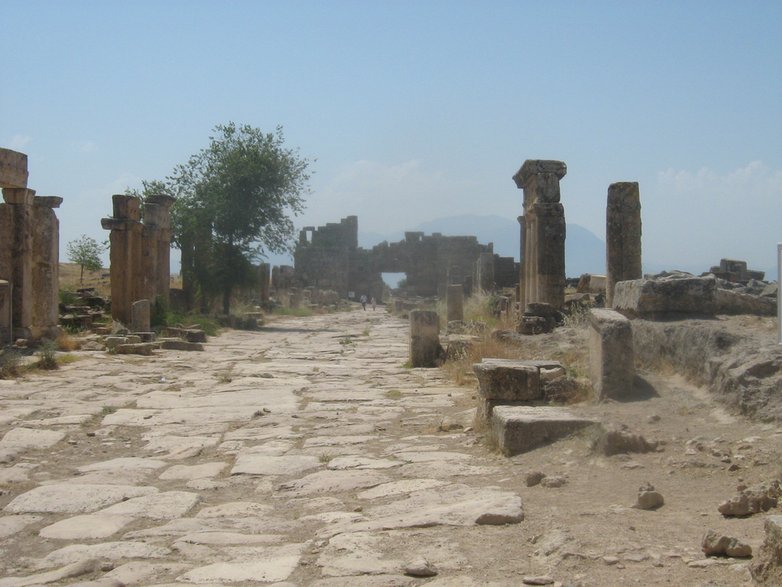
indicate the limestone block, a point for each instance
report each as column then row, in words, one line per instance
column 176, row 344
column 533, row 167
column 140, row 312
column 140, row 348
column 518, row 429
column 611, row 354
column 126, row 207
column 766, row 569
column 623, row 235
column 425, row 349
column 666, row 296
column 13, row 169
column 19, row 196
column 728, row 301
column 5, row 312
column 508, row 380
column 455, row 302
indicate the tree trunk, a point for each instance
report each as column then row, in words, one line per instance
column 227, row 300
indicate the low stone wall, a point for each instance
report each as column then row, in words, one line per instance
column 745, row 374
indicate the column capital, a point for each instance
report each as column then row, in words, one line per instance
column 533, row 167
column 22, row 196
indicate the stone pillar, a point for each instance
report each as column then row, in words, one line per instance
column 46, row 267
column 5, row 312
column 623, row 235
column 425, row 349
column 611, row 354
column 157, row 246
column 125, row 239
column 140, row 316
column 543, row 252
column 16, row 255
column 486, row 272
column 264, row 278
column 455, row 302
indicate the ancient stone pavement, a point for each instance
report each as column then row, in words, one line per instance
column 306, row 454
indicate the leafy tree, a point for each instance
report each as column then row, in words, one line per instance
column 234, row 201
column 85, row 251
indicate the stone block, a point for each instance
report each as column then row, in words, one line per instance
column 140, row 348
column 140, row 316
column 425, row 349
column 13, row 169
column 508, row 380
column 19, row 196
column 455, row 302
column 612, row 367
column 533, row 167
column 177, row 344
column 766, row 569
column 666, row 296
column 519, row 429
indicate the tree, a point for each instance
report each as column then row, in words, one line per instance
column 234, row 202
column 86, row 252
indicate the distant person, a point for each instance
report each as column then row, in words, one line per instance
column 372, row 301
column 364, row 302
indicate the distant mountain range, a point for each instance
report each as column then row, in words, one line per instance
column 584, row 252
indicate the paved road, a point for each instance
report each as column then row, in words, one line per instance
column 304, row 454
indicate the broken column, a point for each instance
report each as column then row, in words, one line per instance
column 611, row 354
column 45, row 267
column 425, row 349
column 126, row 265
column 542, row 272
column 156, row 247
column 264, row 279
column 455, row 302
column 623, row 235
column 485, row 272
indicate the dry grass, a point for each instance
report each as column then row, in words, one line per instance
column 66, row 343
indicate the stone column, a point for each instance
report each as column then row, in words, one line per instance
column 5, row 312
column 486, row 272
column 126, row 265
column 264, row 278
column 46, row 267
column 543, row 257
column 157, row 244
column 623, row 236
column 16, row 255
column 425, row 349
column 611, row 354
column 140, row 316
column 455, row 302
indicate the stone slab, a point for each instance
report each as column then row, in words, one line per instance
column 257, row 565
column 112, row 551
column 670, row 295
column 73, row 498
column 190, row 472
column 258, row 464
column 87, row 527
column 30, row 438
column 13, row 169
column 508, row 380
column 159, row 506
column 518, row 429
column 10, row 525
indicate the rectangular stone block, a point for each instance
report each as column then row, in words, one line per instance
column 508, row 380
column 519, row 429
column 687, row 295
column 13, row 169
column 611, row 354
column 19, row 196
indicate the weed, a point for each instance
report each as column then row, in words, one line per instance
column 365, row 332
column 224, row 377
column 10, row 364
column 325, row 458
column 106, row 410
column 47, row 356
column 67, row 359
column 394, row 394
column 65, row 342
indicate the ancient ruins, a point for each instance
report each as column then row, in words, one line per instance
column 140, row 252
column 625, row 432
column 328, row 257
column 29, row 255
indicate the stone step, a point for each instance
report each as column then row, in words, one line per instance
column 518, row 429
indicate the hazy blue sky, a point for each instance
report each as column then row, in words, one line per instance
column 414, row 110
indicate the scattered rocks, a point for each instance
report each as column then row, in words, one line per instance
column 620, row 441
column 767, row 568
column 419, row 567
column 753, row 500
column 537, row 580
column 553, row 481
column 714, row 544
column 533, row 478
column 648, row 498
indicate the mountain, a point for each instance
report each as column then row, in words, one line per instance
column 584, row 251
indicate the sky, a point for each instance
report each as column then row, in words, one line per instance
column 412, row 110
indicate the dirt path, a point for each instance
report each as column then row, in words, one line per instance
column 306, row 454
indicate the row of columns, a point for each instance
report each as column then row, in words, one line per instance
column 140, row 251
column 542, row 245
column 29, row 255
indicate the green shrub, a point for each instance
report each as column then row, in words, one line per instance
column 10, row 363
column 47, row 356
